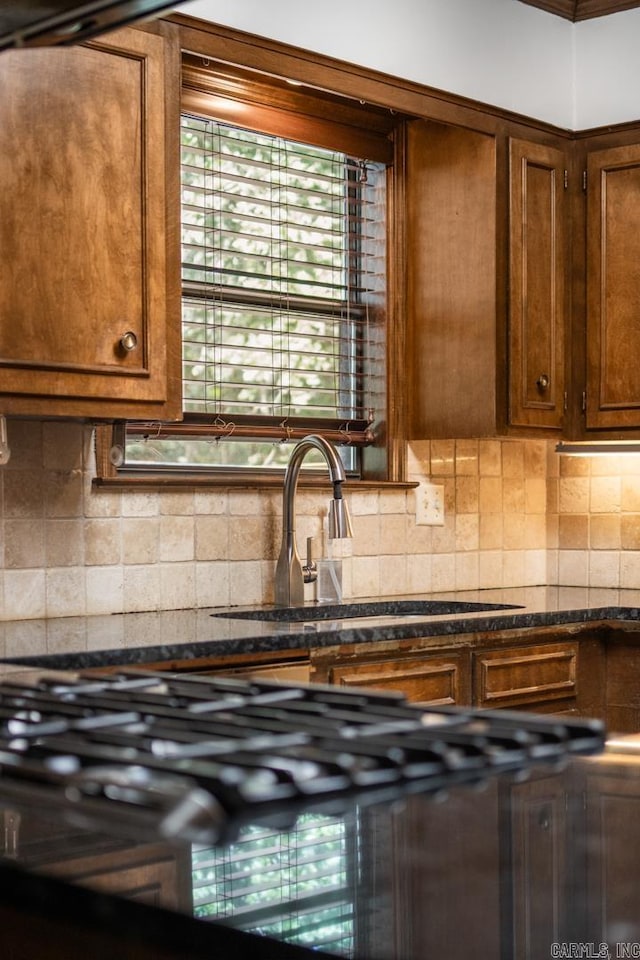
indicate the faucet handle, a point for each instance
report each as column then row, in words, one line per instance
column 309, row 569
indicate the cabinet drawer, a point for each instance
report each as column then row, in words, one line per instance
column 526, row 674
column 436, row 680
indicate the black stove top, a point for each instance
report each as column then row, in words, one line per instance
column 170, row 755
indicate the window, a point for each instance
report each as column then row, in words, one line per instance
column 284, row 280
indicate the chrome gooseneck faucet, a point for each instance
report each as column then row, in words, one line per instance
column 291, row 575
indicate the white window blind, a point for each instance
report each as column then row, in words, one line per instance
column 284, row 297
column 281, row 264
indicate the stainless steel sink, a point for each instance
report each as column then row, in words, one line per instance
column 366, row 610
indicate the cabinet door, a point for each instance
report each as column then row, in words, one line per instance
column 612, row 854
column 536, row 907
column 432, row 679
column 613, row 288
column 536, row 284
column 541, row 676
column 89, row 286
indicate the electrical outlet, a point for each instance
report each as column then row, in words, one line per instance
column 430, row 504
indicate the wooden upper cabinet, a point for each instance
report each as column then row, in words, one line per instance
column 89, row 245
column 613, row 288
column 537, row 259
column 451, row 281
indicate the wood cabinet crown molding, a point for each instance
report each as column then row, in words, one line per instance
column 582, row 9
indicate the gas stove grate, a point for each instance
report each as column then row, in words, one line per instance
column 195, row 757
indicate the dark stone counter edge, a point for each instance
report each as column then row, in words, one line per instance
column 37, row 910
column 318, row 635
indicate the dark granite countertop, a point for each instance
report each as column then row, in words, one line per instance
column 73, row 643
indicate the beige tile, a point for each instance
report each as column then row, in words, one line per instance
column 62, row 445
column 467, row 531
column 553, row 495
column 366, row 535
column 443, row 458
column 490, row 495
column 394, row 574
column 605, row 494
column 573, row 532
column 419, row 538
column 141, row 587
column 630, row 531
column 535, row 494
column 65, row 591
column 105, row 590
column 605, row 532
column 25, row 443
column 513, row 495
column 63, row 493
column 604, row 568
column 573, row 568
column 103, row 542
column 212, row 584
column 514, row 568
column 490, row 572
column 365, row 577
column 177, row 504
column 574, row 495
column 140, row 540
column 535, row 567
column 246, row 581
column 176, row 539
column 177, row 586
column 574, row 466
column 418, row 575
column 443, row 572
column 143, row 504
column 24, row 544
column 466, row 458
column 467, row 572
column 490, row 535
column 100, row 502
column 362, row 503
column 515, row 532
column 248, row 539
column 393, row 533
column 207, row 501
column 23, row 492
column 392, row 501
column 24, row 594
column 212, row 538
column 535, row 526
column 65, row 543
column 467, row 495
column 553, row 460
column 513, row 459
column 490, row 458
column 630, row 494
column 630, row 570
column 552, row 524
column 535, row 459
column 443, row 538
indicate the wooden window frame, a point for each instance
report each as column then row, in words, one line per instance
column 313, row 108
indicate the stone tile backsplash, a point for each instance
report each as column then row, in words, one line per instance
column 515, row 515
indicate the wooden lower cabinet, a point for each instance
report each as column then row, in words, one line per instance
column 527, row 676
column 535, row 896
column 611, row 857
column 433, row 679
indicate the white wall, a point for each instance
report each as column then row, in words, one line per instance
column 495, row 51
column 607, row 70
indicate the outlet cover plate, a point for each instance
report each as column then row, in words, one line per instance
column 430, row 504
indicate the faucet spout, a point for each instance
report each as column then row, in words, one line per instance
column 290, row 574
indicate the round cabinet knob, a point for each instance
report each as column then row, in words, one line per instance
column 128, row 341
column 543, row 381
